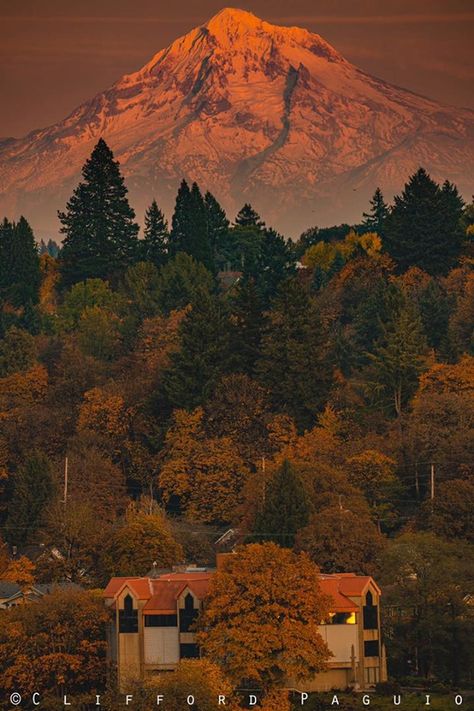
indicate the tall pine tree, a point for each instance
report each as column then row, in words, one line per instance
column 285, row 509
column 248, row 217
column 20, row 275
column 32, row 491
column 154, row 246
column 217, row 225
column 189, row 227
column 374, row 220
column 101, row 234
column 293, row 363
column 204, row 355
column 424, row 227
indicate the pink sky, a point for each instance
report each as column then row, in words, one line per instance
column 54, row 55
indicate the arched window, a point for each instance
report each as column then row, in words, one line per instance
column 128, row 617
column 187, row 615
column 370, row 611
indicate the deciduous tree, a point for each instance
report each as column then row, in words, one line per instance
column 261, row 617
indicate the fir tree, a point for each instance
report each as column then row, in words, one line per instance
column 155, row 236
column 247, row 217
column 293, row 363
column 424, row 226
column 32, row 491
column 101, row 235
column 189, row 231
column 273, row 264
column 285, row 509
column 20, row 275
column 217, row 225
column 247, row 325
column 204, row 354
column 398, row 359
column 374, row 220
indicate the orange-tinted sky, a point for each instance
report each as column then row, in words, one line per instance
column 55, row 54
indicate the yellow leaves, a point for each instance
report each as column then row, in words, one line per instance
column 206, row 473
column 322, row 254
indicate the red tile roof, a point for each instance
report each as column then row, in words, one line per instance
column 162, row 593
column 341, row 603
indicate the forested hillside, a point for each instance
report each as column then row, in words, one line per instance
column 209, row 374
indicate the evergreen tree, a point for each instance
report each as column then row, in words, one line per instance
column 247, row 325
column 20, row 275
column 374, row 220
column 285, row 509
column 217, row 225
column 181, row 281
column 247, row 217
column 32, row 492
column 101, row 235
column 293, row 362
column 17, row 351
column 275, row 264
column 204, row 354
column 424, row 227
column 155, row 236
column 398, row 359
column 189, row 230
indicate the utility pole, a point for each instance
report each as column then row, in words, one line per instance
column 65, row 480
column 432, row 485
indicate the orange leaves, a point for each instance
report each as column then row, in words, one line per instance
column 19, row 571
column 42, row 644
column 262, row 614
column 207, row 474
column 21, row 390
column 104, row 413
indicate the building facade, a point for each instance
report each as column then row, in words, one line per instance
column 153, row 617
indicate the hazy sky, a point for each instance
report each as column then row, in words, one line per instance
column 56, row 54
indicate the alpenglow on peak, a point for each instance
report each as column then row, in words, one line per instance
column 254, row 112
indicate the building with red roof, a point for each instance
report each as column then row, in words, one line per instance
column 154, row 615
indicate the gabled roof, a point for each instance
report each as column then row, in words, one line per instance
column 7, row 589
column 162, row 592
column 340, row 603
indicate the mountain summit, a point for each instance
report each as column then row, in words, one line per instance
column 254, row 112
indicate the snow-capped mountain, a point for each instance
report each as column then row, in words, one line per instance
column 254, row 112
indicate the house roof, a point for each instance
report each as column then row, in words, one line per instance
column 7, row 589
column 340, row 603
column 162, row 593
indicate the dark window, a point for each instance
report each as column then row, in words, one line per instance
column 188, row 615
column 370, row 618
column 161, row 620
column 371, row 649
column 370, row 613
column 189, row 651
column 128, row 617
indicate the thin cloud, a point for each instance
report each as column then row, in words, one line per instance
column 378, row 19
